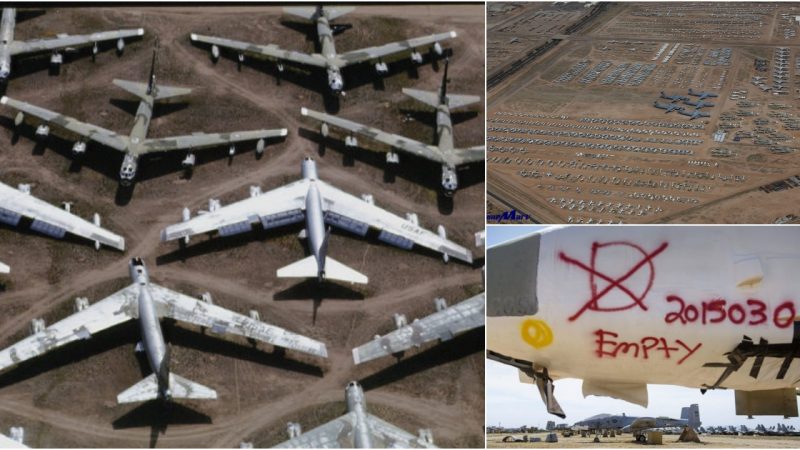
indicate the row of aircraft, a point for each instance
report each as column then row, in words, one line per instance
column 310, row 200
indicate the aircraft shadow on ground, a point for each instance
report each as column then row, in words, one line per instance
column 442, row 353
column 317, row 292
column 159, row 416
column 411, row 168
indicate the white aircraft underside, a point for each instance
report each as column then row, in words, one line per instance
column 624, row 307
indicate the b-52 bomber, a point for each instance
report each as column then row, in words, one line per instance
column 674, row 98
column 694, row 114
column 703, row 95
column 444, row 152
column 328, row 58
column 317, row 203
column 50, row 220
column 137, row 144
column 10, row 47
column 669, row 107
column 356, row 429
column 148, row 303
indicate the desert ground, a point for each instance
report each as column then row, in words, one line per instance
column 626, row 441
column 573, row 135
column 68, row 398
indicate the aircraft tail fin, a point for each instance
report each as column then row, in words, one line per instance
column 691, row 414
column 179, row 387
column 334, row 270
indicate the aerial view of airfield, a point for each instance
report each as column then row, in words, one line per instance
column 242, row 225
column 620, row 336
column 643, row 112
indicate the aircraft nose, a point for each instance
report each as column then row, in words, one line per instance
column 512, row 281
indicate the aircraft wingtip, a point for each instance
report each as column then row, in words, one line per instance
column 356, row 359
column 4, row 100
column 284, row 131
column 303, row 111
column 453, row 34
column 193, row 36
column 140, row 32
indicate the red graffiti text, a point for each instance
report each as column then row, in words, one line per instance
column 750, row 312
column 648, row 347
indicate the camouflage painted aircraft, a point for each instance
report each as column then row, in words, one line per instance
column 702, row 94
column 444, row 152
column 669, row 107
column 698, row 104
column 328, row 59
column 356, row 429
column 674, row 98
column 137, row 144
column 10, row 47
column 694, row 114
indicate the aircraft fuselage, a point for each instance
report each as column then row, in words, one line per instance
column 315, row 220
column 328, row 50
column 7, row 24
column 356, row 403
column 152, row 338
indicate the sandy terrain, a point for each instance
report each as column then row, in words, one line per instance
column 626, row 441
column 67, row 398
column 583, row 169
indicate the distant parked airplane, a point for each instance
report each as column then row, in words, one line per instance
column 669, row 107
column 702, row 95
column 674, row 98
column 694, row 114
column 698, row 104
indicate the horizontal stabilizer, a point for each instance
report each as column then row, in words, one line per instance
column 334, row 270
column 310, row 13
column 432, row 98
column 180, row 387
column 160, row 92
column 457, row 100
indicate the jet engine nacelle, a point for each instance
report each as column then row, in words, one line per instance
column 350, row 141
column 214, row 204
column 42, row 131
column 37, row 326
column 437, row 48
column 56, row 58
column 214, row 53
column 416, row 57
column 293, row 429
column 95, row 49
column 189, row 161
column 443, row 234
column 413, row 218
column 81, row 303
column 392, row 158
column 449, row 180
column 381, row 68
column 255, row 191
column 324, row 130
column 440, row 303
column 260, row 145
column 241, row 57
column 127, row 171
column 280, row 67
column 232, row 150
column 96, row 220
column 120, row 45
column 79, row 148
column 19, row 118
column 400, row 320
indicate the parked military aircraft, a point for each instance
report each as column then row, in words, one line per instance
column 443, row 325
column 444, row 152
column 137, row 143
column 318, row 203
column 50, row 220
column 328, row 59
column 674, row 98
column 356, row 429
column 694, row 114
column 622, row 308
column 668, row 107
column 698, row 104
column 148, row 303
column 689, row 416
column 10, row 47
column 702, row 95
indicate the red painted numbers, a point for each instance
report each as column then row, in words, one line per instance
column 751, row 312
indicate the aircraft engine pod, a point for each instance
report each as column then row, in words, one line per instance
column 416, row 57
column 120, row 45
column 260, row 145
column 42, row 131
column 280, row 67
column 323, row 129
column 449, row 180
column 381, row 68
column 79, row 148
column 95, row 49
column 214, row 52
column 189, row 161
column 240, row 56
column 232, row 150
column 351, row 141
column 127, row 171
column 437, row 48
column 56, row 58
column 392, row 158
column 19, row 118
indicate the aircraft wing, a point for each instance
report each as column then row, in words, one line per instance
column 89, row 131
column 7, row 442
column 199, row 141
column 60, row 42
column 643, row 423
column 277, row 207
column 338, row 433
column 395, row 141
column 442, row 325
column 469, row 155
column 4, row 268
column 221, row 321
column 51, row 220
column 269, row 51
column 394, row 437
column 372, row 53
column 342, row 208
column 117, row 308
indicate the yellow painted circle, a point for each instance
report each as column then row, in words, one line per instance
column 536, row 333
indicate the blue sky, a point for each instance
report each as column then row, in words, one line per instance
column 511, row 403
